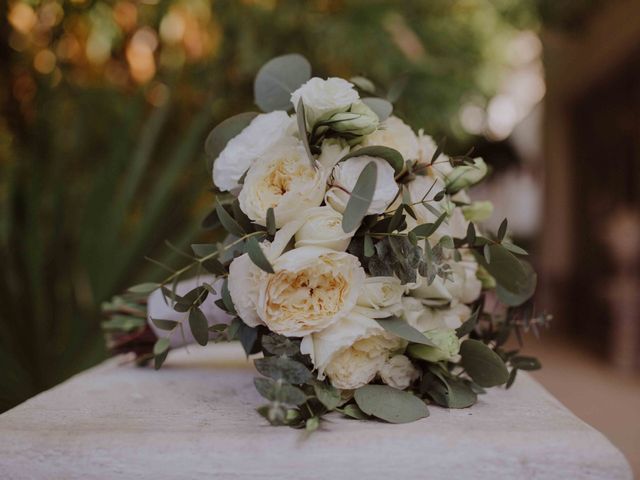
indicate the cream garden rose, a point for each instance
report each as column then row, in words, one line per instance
column 352, row 351
column 398, row 372
column 396, row 134
column 324, row 98
column 285, row 180
column 258, row 138
column 322, row 227
column 310, row 289
column 345, row 175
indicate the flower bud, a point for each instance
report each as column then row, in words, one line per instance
column 466, row 175
column 447, row 346
column 478, row 211
column 359, row 120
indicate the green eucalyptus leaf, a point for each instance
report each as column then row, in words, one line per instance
column 363, row 84
column 392, row 156
column 161, row 346
column 483, row 365
column 159, row 359
column 199, row 326
column 143, row 288
column 522, row 362
column 452, row 394
column 402, row 329
column 360, row 198
column 271, row 221
column 502, row 230
column 226, row 298
column 203, row 249
column 514, row 248
column 163, row 324
column 390, row 404
column 228, row 222
column 214, row 266
column 279, row 392
column 328, row 395
column 222, row 133
column 353, row 411
column 279, row 345
column 381, row 107
column 368, row 246
column 283, row 368
column 257, row 256
column 248, row 337
column 301, row 117
column 278, row 79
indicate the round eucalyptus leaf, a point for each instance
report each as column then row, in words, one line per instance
column 390, row 404
column 278, row 79
column 360, row 198
column 392, row 156
column 482, row 364
column 381, row 107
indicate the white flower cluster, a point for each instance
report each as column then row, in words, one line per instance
column 318, row 291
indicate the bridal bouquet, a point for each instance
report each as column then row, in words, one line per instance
column 353, row 264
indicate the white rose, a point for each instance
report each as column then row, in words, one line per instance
column 285, row 180
column 245, row 279
column 253, row 142
column 396, row 134
column 345, row 175
column 157, row 307
column 333, row 149
column 462, row 286
column 431, row 318
column 382, row 293
column 398, row 372
column 310, row 289
column 351, row 351
column 323, row 228
column 323, row 98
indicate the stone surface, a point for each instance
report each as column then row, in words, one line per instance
column 196, row 419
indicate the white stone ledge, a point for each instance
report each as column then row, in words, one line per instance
column 196, row 419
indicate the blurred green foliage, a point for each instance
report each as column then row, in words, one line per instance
column 105, row 106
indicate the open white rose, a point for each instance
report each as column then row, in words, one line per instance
column 310, row 289
column 398, row 372
column 396, row 134
column 351, row 351
column 323, row 98
column 345, row 175
column 382, row 293
column 429, row 318
column 253, row 142
column 323, row 228
column 333, row 149
column 285, row 180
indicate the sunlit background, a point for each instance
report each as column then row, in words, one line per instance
column 105, row 106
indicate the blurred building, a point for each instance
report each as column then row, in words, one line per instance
column 590, row 242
